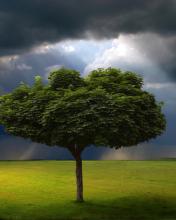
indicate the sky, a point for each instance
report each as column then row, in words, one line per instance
column 38, row 36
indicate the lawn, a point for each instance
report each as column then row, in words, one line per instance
column 129, row 190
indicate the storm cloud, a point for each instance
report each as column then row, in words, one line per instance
column 26, row 24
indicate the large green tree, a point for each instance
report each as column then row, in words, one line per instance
column 107, row 108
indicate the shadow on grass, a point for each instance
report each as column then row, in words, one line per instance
column 124, row 208
column 127, row 208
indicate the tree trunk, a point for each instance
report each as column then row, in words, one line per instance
column 79, row 179
column 76, row 152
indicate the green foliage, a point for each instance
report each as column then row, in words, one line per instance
column 65, row 79
column 38, row 83
column 107, row 108
column 113, row 81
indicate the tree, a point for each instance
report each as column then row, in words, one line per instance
column 106, row 108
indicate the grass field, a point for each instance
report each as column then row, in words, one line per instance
column 113, row 190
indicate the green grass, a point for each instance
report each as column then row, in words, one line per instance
column 114, row 190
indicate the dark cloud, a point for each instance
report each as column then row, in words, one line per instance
column 25, row 24
column 160, row 50
column 149, row 54
column 24, row 68
column 141, row 152
column 15, row 148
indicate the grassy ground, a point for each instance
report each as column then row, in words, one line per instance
column 129, row 190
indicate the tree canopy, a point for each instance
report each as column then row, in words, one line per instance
column 106, row 108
